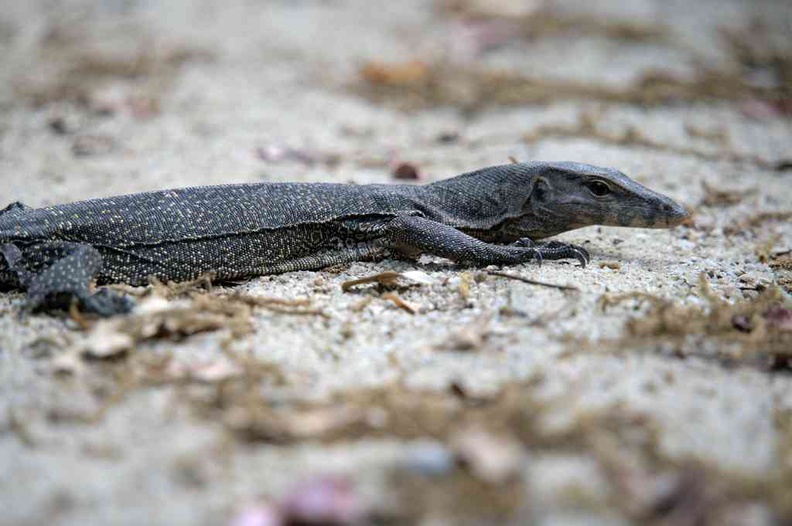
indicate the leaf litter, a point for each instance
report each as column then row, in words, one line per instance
column 390, row 280
column 755, row 331
column 489, row 440
column 173, row 311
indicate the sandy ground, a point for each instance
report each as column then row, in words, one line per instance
column 672, row 408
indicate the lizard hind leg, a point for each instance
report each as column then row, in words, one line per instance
column 63, row 273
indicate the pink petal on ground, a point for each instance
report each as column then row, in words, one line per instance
column 325, row 500
column 259, row 515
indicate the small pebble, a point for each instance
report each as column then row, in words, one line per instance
column 406, row 171
column 430, row 459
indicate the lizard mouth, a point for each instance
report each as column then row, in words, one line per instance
column 658, row 212
column 673, row 214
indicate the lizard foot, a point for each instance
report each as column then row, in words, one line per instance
column 68, row 269
column 106, row 302
column 102, row 303
column 556, row 250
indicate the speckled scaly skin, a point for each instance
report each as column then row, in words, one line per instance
column 490, row 216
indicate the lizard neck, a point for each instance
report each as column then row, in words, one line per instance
column 493, row 206
column 481, row 203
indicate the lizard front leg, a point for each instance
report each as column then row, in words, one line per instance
column 410, row 234
column 59, row 272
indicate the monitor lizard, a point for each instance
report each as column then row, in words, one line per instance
column 494, row 215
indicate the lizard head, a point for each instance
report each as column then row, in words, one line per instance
column 565, row 196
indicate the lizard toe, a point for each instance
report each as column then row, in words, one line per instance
column 581, row 255
column 524, row 242
column 557, row 250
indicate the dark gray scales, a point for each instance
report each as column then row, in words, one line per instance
column 491, row 216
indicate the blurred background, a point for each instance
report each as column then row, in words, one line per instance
column 233, row 88
column 692, row 98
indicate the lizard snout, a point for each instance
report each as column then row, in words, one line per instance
column 675, row 214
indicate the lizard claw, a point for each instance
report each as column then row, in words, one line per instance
column 558, row 250
column 578, row 252
column 581, row 255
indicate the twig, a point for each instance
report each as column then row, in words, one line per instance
column 532, row 281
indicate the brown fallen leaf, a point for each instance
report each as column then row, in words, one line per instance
column 409, row 306
column 395, row 74
column 613, row 265
column 390, row 278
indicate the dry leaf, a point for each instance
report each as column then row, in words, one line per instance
column 391, row 278
column 409, row 306
column 395, row 74
column 613, row 265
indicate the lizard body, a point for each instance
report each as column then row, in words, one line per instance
column 490, row 216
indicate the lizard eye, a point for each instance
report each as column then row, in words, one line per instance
column 598, row 188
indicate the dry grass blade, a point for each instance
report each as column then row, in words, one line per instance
column 408, row 306
column 388, row 278
column 300, row 306
column 529, row 281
